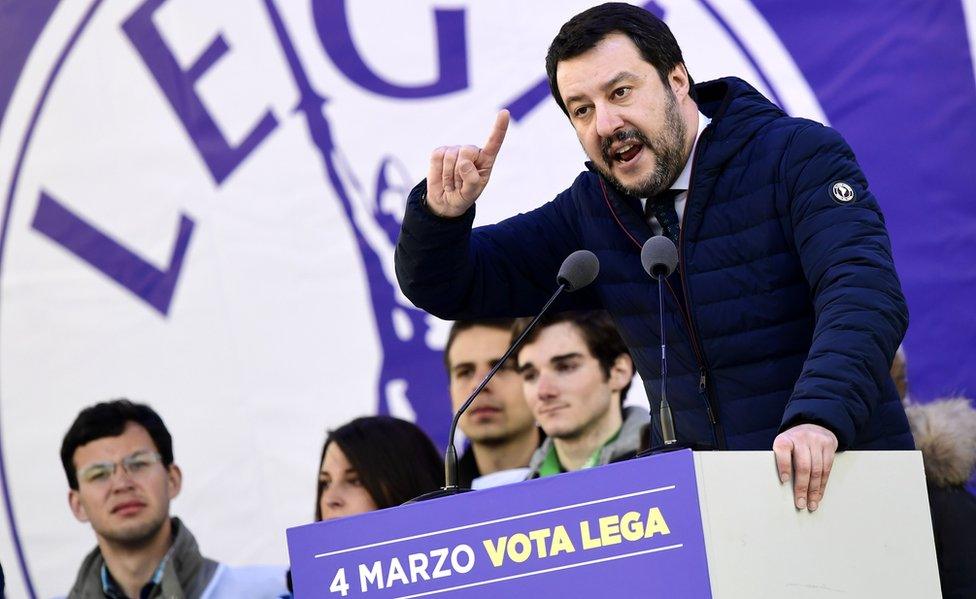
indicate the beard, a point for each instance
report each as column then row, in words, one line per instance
column 667, row 148
column 136, row 535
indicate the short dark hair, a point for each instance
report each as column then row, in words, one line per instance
column 583, row 32
column 459, row 326
column 597, row 328
column 395, row 460
column 108, row 419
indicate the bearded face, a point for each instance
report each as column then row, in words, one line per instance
column 628, row 119
column 666, row 148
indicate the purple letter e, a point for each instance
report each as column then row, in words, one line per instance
column 178, row 85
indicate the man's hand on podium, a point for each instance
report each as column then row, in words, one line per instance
column 808, row 450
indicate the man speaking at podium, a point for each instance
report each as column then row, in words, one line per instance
column 785, row 310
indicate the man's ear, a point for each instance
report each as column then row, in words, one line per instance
column 679, row 81
column 74, row 502
column 175, row 478
column 622, row 372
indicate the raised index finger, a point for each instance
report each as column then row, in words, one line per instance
column 497, row 136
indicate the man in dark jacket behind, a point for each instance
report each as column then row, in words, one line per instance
column 785, row 311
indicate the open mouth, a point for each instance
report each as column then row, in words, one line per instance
column 628, row 152
column 624, row 147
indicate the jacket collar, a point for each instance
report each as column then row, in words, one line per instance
column 626, row 209
column 736, row 110
column 185, row 572
column 625, row 445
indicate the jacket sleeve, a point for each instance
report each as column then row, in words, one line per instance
column 861, row 315
column 503, row 270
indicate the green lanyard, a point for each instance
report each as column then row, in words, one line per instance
column 551, row 465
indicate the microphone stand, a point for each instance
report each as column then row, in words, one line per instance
column 667, row 424
column 451, row 486
column 664, row 412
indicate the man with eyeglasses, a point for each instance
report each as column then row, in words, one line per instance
column 118, row 457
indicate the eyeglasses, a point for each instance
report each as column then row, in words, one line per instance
column 134, row 465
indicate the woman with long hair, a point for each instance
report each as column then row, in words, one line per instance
column 374, row 463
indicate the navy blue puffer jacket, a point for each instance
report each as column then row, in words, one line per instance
column 785, row 308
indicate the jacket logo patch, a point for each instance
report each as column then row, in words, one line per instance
column 843, row 193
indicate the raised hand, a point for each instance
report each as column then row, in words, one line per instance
column 458, row 174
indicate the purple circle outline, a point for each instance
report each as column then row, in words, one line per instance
column 55, row 70
column 742, row 47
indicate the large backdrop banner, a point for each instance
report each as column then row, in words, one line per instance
column 200, row 202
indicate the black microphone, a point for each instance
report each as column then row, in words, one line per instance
column 659, row 257
column 578, row 270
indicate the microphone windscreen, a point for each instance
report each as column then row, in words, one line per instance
column 578, row 270
column 659, row 256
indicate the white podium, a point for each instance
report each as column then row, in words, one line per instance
column 870, row 537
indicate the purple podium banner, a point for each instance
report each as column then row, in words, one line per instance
column 628, row 529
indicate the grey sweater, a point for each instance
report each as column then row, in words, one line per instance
column 185, row 575
column 627, row 442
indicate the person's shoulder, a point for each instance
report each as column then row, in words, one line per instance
column 539, row 456
column 247, row 582
column 636, row 415
column 580, row 193
column 585, row 183
column 632, row 431
column 945, row 433
column 798, row 131
column 803, row 139
column 89, row 575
